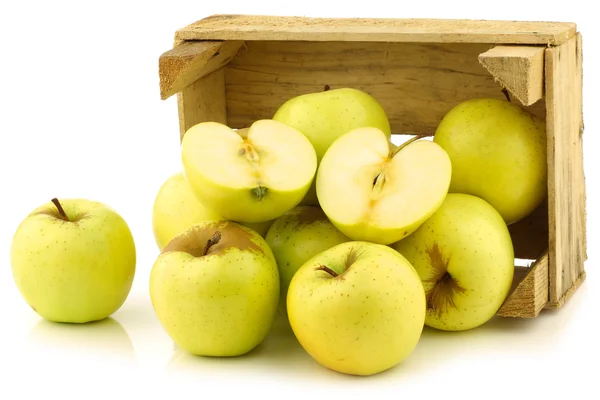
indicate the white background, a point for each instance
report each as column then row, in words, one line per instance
column 80, row 116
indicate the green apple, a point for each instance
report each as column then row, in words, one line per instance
column 376, row 192
column 297, row 236
column 498, row 153
column 176, row 208
column 215, row 289
column 248, row 175
column 465, row 258
column 325, row 116
column 73, row 260
column 357, row 308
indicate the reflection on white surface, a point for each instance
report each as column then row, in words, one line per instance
column 279, row 352
column 101, row 339
column 500, row 339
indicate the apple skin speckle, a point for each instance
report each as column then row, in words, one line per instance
column 377, row 310
column 479, row 255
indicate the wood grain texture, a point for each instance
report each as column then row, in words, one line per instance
column 202, row 101
column 257, row 27
column 566, row 181
column 529, row 293
column 520, row 69
column 416, row 84
column 185, row 64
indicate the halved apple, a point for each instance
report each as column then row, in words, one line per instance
column 372, row 190
column 250, row 175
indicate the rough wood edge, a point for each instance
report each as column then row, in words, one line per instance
column 552, row 305
column 565, row 189
column 265, row 27
column 519, row 69
column 189, row 61
column 581, row 129
column 530, row 294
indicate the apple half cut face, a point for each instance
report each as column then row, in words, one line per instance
column 373, row 191
column 249, row 175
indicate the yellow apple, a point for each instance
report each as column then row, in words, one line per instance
column 325, row 116
column 498, row 153
column 73, row 260
column 357, row 308
column 215, row 289
column 376, row 192
column 176, row 208
column 250, row 175
column 465, row 258
column 297, row 236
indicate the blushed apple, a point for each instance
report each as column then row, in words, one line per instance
column 215, row 289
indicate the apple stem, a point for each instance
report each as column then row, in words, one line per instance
column 403, row 145
column 326, row 269
column 216, row 237
column 60, row 209
column 506, row 94
column 326, row 88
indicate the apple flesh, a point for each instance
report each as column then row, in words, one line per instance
column 176, row 208
column 376, row 192
column 465, row 258
column 297, row 236
column 325, row 116
column 249, row 175
column 357, row 308
column 73, row 260
column 498, row 153
column 215, row 289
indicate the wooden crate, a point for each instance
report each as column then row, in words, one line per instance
column 236, row 69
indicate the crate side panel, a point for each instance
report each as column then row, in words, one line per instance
column 529, row 293
column 257, row 27
column 415, row 83
column 566, row 182
column 202, row 101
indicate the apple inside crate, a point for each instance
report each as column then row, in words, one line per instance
column 236, row 69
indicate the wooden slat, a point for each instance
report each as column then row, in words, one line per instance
column 417, row 84
column 520, row 69
column 256, row 27
column 202, row 101
column 190, row 61
column 529, row 293
column 566, row 182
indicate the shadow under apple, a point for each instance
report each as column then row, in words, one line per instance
column 279, row 353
